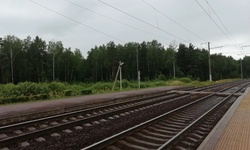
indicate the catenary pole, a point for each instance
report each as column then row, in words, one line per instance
column 209, row 63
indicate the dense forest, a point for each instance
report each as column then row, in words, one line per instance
column 37, row 61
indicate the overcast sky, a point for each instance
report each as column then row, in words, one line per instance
column 85, row 23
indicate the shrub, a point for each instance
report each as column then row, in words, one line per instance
column 126, row 84
column 36, row 97
column 67, row 92
column 144, row 85
column 10, row 90
column 22, row 98
column 44, row 96
column 9, row 100
column 157, row 83
column 29, row 88
column 56, row 86
column 86, row 92
column 44, row 88
column 162, row 77
column 175, row 83
column 102, row 86
column 185, row 80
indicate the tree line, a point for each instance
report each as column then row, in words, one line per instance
column 36, row 60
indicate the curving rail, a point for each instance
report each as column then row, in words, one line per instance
column 44, row 126
column 165, row 131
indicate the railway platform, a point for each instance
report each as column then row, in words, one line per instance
column 31, row 110
column 233, row 131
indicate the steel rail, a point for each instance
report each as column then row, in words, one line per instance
column 171, row 141
column 112, row 139
column 55, row 128
column 74, row 113
column 103, row 143
column 40, row 132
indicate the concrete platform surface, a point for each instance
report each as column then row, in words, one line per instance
column 233, row 131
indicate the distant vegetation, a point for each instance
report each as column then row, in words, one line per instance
column 36, row 60
column 31, row 69
column 30, row 91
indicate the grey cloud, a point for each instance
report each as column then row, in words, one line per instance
column 23, row 18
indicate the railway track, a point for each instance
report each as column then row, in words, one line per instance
column 36, row 129
column 181, row 128
column 15, row 133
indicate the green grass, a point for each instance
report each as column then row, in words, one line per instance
column 30, row 92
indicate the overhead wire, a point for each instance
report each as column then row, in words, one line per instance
column 149, row 24
column 69, row 18
column 214, row 21
column 221, row 22
column 115, row 20
column 180, row 25
column 156, row 19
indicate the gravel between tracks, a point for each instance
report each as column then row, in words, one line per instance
column 88, row 135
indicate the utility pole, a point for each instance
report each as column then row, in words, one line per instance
column 138, row 72
column 53, row 66
column 1, row 46
column 120, row 64
column 11, row 63
column 209, row 63
column 241, row 70
column 174, row 64
column 119, row 70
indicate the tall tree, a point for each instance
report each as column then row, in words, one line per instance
column 12, row 47
column 155, row 57
column 170, row 60
column 56, row 50
column 36, row 55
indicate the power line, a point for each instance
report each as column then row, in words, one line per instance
column 245, row 46
column 214, row 21
column 173, row 20
column 221, row 21
column 115, row 20
column 76, row 21
column 142, row 21
column 156, row 19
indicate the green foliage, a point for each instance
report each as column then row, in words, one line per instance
column 6, row 100
column 144, row 85
column 158, row 83
column 36, row 60
column 185, row 80
column 68, row 93
column 28, row 91
column 175, row 83
column 56, row 87
column 10, row 90
column 30, row 88
column 86, row 92
column 162, row 77
column 127, row 84
column 22, row 98
column 44, row 96
column 101, row 87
